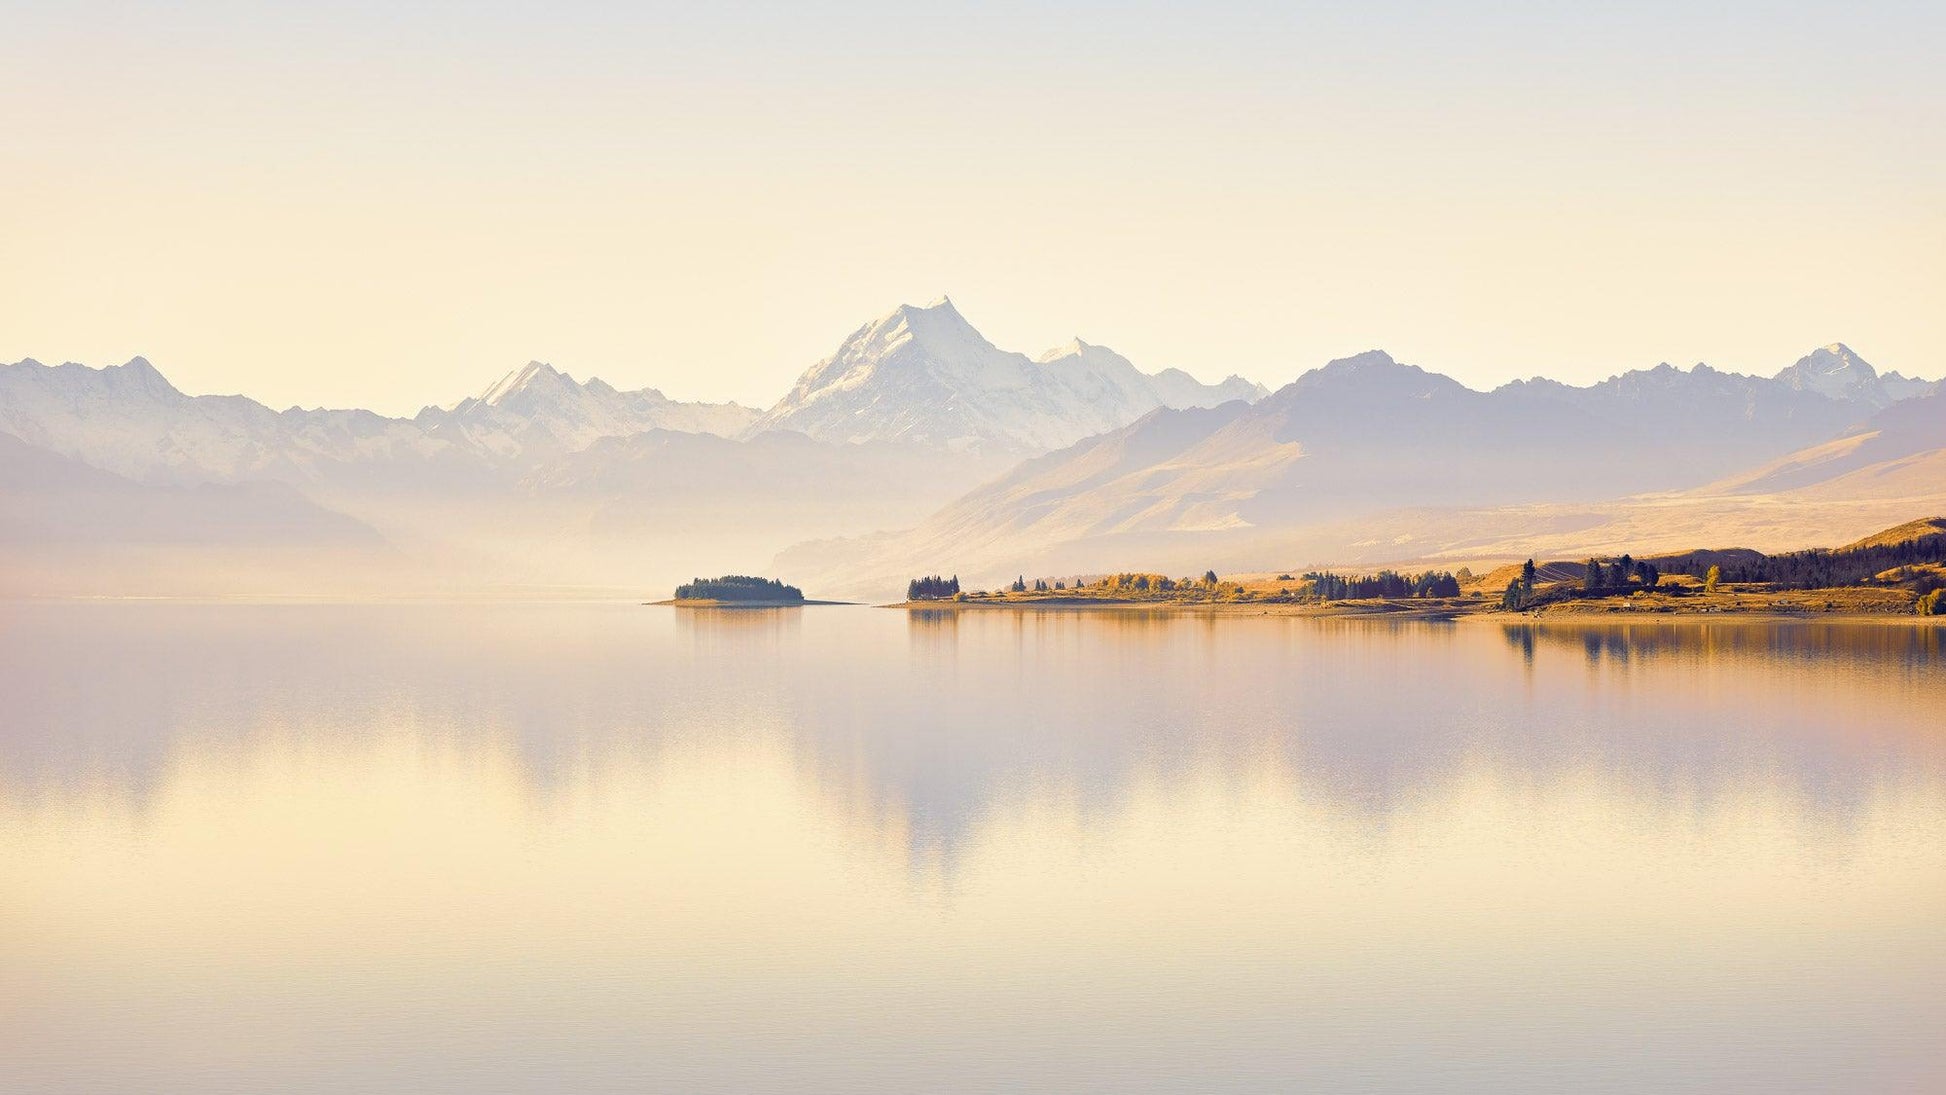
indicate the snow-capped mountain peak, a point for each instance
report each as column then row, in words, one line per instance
column 537, row 411
column 937, row 330
column 1073, row 347
column 135, row 374
column 1837, row 372
column 529, row 377
column 1085, row 355
column 925, row 374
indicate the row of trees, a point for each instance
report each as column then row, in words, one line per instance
column 1322, row 585
column 1123, row 583
column 1327, row 586
column 1618, row 573
column 932, row 588
column 1817, row 568
column 1128, row 583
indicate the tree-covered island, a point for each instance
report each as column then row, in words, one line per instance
column 738, row 589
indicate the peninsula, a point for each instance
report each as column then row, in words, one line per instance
column 1900, row 572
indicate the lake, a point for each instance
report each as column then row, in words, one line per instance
column 612, row 848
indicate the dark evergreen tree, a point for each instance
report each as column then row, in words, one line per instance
column 1327, row 586
column 932, row 588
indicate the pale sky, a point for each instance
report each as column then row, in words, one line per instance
column 387, row 208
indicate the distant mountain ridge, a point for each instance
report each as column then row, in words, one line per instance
column 130, row 420
column 537, row 410
column 918, row 423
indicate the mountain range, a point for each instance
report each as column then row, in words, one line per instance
column 1309, row 472
column 544, row 479
column 986, row 458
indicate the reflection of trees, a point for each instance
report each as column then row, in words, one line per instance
column 1823, row 642
column 932, row 631
column 924, row 726
column 734, row 625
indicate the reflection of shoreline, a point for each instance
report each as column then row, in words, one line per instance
column 934, row 723
column 1796, row 639
column 1688, row 619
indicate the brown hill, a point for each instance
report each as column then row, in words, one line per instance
column 1572, row 570
column 1901, row 534
column 1559, row 570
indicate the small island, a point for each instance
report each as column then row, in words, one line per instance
column 739, row 591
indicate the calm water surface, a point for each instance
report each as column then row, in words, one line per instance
column 614, row 848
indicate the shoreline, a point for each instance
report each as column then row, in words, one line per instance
column 1338, row 610
column 1333, row 609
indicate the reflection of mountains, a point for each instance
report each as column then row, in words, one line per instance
column 932, row 722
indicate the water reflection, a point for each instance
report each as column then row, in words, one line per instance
column 933, row 717
column 528, row 848
column 738, row 625
column 1873, row 645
